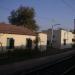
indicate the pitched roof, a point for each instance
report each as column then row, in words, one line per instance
column 13, row 29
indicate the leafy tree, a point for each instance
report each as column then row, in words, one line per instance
column 23, row 16
column 37, row 41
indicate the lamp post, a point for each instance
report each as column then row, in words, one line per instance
column 53, row 34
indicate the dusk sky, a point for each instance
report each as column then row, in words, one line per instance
column 48, row 12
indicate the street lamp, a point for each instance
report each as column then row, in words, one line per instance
column 52, row 33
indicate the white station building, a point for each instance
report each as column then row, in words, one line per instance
column 61, row 38
column 12, row 36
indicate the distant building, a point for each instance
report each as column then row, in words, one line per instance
column 61, row 38
column 42, row 41
column 49, row 35
column 12, row 36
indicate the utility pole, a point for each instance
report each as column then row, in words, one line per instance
column 52, row 33
column 74, row 35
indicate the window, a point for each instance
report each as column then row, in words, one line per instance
column 28, row 43
column 48, row 42
column 10, row 43
column 73, row 40
column 53, row 36
column 64, row 41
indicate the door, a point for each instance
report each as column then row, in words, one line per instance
column 28, row 43
column 10, row 43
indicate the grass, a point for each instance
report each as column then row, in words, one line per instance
column 18, row 55
column 21, row 55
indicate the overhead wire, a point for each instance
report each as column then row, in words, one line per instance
column 68, row 5
column 4, row 8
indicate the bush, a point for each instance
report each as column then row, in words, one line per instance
column 73, row 45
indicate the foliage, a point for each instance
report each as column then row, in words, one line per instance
column 73, row 46
column 18, row 55
column 23, row 16
column 37, row 41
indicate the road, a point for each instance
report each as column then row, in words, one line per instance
column 50, row 65
column 71, row 72
column 59, row 68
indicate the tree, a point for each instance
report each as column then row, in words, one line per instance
column 37, row 41
column 23, row 16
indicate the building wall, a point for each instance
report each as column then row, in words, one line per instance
column 19, row 40
column 56, row 38
column 68, row 36
column 59, row 36
column 49, row 35
column 43, row 41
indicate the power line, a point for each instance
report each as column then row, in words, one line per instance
column 68, row 5
column 4, row 8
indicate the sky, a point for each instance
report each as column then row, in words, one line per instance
column 48, row 12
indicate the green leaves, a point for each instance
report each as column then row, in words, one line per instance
column 23, row 16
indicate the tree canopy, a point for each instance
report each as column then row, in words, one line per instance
column 24, row 16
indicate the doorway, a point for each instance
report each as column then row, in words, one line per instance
column 10, row 43
column 28, row 44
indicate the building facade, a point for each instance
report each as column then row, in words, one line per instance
column 61, row 38
column 12, row 36
column 42, row 41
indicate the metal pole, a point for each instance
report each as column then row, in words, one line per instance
column 52, row 37
column 53, row 34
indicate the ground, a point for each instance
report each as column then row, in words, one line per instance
column 21, row 55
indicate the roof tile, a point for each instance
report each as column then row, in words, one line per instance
column 13, row 29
